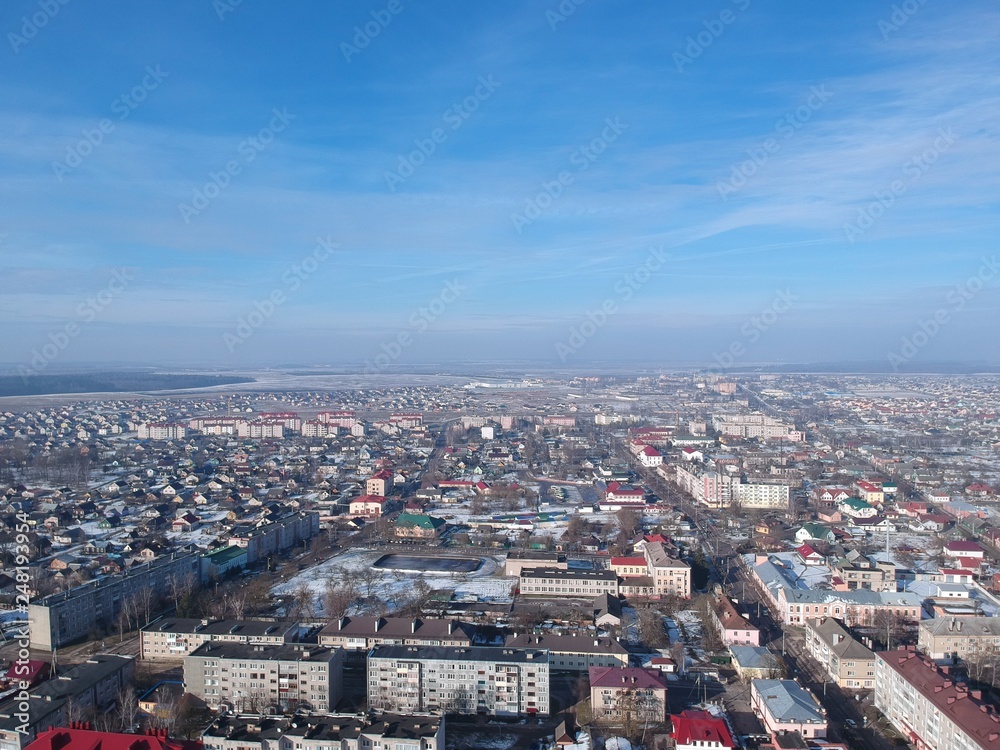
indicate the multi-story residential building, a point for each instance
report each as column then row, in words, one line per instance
column 276, row 536
column 849, row 662
column 574, row 652
column 517, row 560
column 254, row 677
column 959, row 637
column 581, row 584
column 81, row 691
column 173, row 638
column 670, row 575
column 786, row 706
column 379, row 483
column 618, row 691
column 161, row 431
column 444, row 679
column 712, row 488
column 364, row 633
column 650, row 457
column 324, row 732
column 734, row 629
column 75, row 738
column 70, row 615
column 929, row 708
column 760, row 496
column 755, row 426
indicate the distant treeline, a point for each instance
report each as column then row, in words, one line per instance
column 108, row 382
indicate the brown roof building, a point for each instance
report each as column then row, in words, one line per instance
column 929, row 708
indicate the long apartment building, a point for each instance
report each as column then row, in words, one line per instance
column 929, row 708
column 325, row 732
column 275, row 536
column 173, row 638
column 70, row 615
column 574, row 652
column 847, row 660
column 254, row 677
column 445, row 679
column 364, row 633
column 755, row 426
column 84, row 690
column 720, row 489
column 961, row 637
column 579, row 584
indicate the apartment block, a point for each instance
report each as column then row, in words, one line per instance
column 364, row 633
column 84, row 690
column 581, row 584
column 277, row 536
column 444, row 679
column 849, row 662
column 574, row 652
column 616, row 691
column 959, row 637
column 325, row 732
column 73, row 614
column 670, row 575
column 758, row 496
column 173, row 638
column 929, row 708
column 255, row 677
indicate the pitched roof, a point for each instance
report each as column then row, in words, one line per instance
column 631, row 677
column 700, row 726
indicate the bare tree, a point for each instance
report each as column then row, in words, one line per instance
column 127, row 708
column 338, row 596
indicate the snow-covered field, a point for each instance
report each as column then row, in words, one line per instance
column 393, row 586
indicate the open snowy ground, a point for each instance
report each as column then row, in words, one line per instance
column 392, row 586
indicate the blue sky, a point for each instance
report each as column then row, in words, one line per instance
column 638, row 118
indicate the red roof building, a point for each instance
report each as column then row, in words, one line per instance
column 925, row 703
column 79, row 738
column 699, row 730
